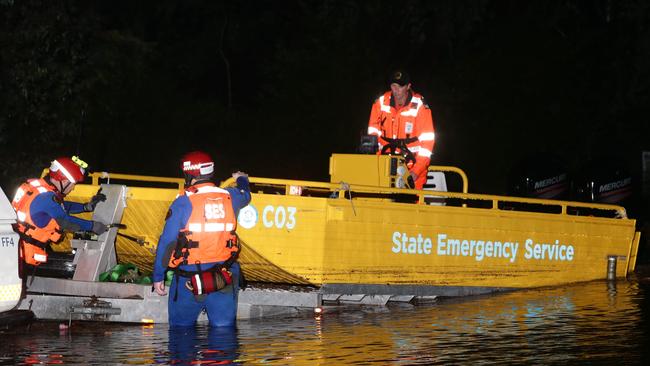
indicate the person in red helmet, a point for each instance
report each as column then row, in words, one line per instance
column 402, row 122
column 43, row 214
column 199, row 243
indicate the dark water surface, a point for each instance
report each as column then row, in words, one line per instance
column 589, row 323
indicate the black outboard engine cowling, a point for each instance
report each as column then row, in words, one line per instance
column 604, row 181
column 540, row 176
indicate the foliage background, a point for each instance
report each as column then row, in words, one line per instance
column 274, row 87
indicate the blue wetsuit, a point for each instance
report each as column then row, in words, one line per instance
column 45, row 207
column 183, row 307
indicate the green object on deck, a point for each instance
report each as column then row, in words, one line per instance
column 126, row 272
column 129, row 272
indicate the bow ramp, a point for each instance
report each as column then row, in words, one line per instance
column 137, row 214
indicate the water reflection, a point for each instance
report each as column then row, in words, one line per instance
column 593, row 323
column 201, row 346
column 574, row 324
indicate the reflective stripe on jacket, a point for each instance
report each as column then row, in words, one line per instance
column 22, row 202
column 413, row 120
column 211, row 225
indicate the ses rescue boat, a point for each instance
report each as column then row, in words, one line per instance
column 363, row 232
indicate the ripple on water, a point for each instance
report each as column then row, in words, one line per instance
column 585, row 323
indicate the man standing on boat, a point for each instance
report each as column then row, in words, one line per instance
column 43, row 215
column 402, row 122
column 200, row 245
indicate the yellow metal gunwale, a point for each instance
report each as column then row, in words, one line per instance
column 342, row 188
column 96, row 176
column 141, row 178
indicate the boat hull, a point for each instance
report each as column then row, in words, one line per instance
column 366, row 240
column 338, row 241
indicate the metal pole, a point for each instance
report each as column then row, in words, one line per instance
column 611, row 268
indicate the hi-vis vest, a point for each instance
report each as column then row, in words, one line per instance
column 210, row 227
column 25, row 195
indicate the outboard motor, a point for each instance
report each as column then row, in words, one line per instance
column 539, row 176
column 605, row 181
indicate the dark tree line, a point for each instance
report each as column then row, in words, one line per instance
column 274, row 87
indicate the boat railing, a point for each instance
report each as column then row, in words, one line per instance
column 96, row 176
column 452, row 169
column 344, row 190
column 161, row 182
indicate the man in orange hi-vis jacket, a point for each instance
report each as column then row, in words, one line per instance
column 402, row 122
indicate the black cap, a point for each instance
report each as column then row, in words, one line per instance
column 400, row 77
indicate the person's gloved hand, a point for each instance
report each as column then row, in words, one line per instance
column 99, row 197
column 238, row 174
column 99, row 227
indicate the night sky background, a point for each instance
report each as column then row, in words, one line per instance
column 274, row 87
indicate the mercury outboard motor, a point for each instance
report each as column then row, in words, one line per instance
column 604, row 181
column 540, row 176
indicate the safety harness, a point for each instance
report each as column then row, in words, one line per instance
column 24, row 229
column 202, row 281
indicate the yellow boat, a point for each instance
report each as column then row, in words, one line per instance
column 363, row 233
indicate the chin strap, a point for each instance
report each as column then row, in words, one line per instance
column 58, row 190
column 188, row 179
column 61, row 188
column 197, row 179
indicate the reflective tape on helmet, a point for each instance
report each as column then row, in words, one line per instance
column 427, row 136
column 58, row 167
column 203, row 168
column 206, row 168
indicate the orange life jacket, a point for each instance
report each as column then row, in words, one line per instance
column 34, row 239
column 209, row 235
